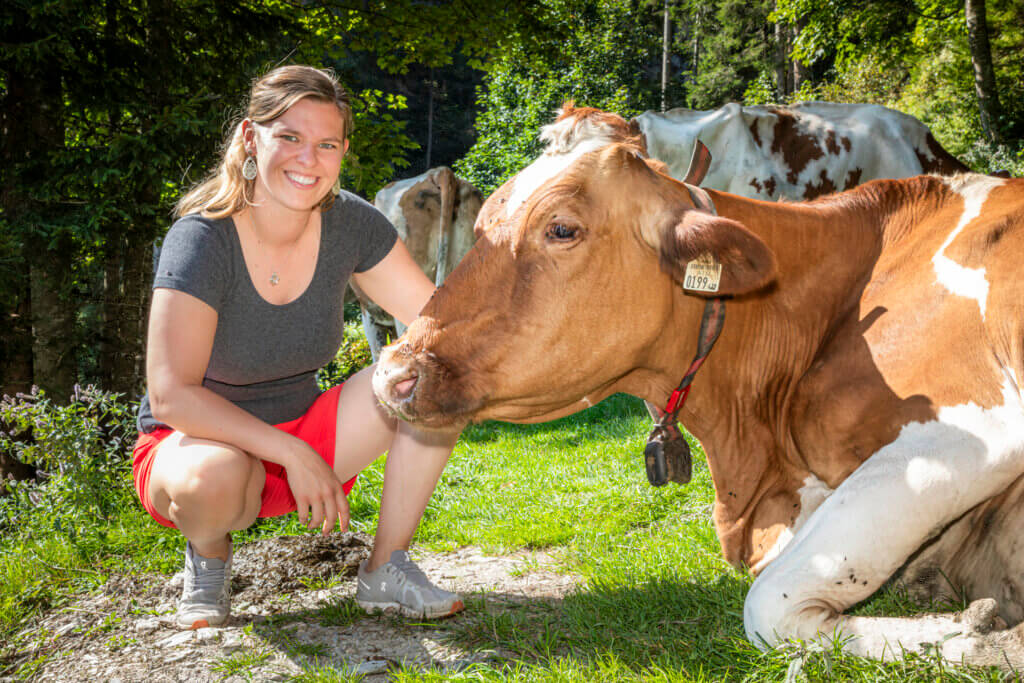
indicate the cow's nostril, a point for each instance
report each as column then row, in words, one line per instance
column 404, row 388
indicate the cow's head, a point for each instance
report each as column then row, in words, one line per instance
column 564, row 301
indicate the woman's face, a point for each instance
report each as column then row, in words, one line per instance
column 298, row 154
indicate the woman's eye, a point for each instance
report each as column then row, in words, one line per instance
column 560, row 231
column 290, row 138
column 328, row 145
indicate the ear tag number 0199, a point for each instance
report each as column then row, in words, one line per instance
column 703, row 274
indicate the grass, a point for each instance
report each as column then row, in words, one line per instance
column 658, row 602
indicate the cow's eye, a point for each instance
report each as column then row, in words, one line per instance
column 562, row 232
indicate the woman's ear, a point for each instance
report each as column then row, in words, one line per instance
column 249, row 136
column 710, row 246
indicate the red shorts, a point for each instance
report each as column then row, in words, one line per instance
column 317, row 427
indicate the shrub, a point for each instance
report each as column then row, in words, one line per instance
column 353, row 356
column 80, row 452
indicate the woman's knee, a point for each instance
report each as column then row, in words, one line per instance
column 213, row 476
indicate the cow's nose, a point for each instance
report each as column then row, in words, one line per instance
column 394, row 382
column 403, row 389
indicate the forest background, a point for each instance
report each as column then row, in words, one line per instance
column 109, row 109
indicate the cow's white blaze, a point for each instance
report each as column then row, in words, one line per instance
column 909, row 490
column 962, row 281
column 567, row 141
column 812, row 494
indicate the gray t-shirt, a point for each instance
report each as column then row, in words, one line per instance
column 265, row 357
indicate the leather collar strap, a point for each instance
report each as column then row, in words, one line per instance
column 667, row 455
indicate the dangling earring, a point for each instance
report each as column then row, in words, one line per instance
column 249, row 168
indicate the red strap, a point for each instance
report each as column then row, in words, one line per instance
column 677, row 399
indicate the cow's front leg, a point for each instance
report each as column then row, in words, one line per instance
column 376, row 334
column 906, row 493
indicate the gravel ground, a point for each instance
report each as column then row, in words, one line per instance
column 292, row 610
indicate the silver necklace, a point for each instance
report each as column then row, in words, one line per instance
column 274, row 277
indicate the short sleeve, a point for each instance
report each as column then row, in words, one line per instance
column 196, row 259
column 374, row 234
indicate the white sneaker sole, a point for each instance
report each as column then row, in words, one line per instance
column 397, row 608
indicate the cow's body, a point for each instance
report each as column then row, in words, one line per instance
column 861, row 412
column 799, row 152
column 433, row 214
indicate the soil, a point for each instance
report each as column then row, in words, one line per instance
column 292, row 611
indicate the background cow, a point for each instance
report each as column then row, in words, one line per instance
column 862, row 412
column 770, row 152
column 433, row 214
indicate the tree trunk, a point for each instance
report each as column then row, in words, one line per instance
column 41, row 337
column 666, row 38
column 16, row 114
column 695, row 62
column 801, row 71
column 16, row 341
column 984, row 74
column 53, row 325
column 430, row 117
column 781, row 63
column 126, row 298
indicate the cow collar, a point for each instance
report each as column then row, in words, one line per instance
column 667, row 455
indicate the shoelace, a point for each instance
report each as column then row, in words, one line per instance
column 412, row 573
column 204, row 580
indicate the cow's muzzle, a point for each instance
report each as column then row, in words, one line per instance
column 421, row 389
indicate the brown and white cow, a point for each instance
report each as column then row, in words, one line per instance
column 861, row 413
column 434, row 214
column 800, row 151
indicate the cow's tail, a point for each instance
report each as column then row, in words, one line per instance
column 446, row 181
column 942, row 162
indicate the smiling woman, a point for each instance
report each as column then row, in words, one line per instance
column 246, row 308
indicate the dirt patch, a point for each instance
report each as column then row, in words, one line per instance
column 292, row 610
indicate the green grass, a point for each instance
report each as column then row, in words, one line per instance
column 657, row 603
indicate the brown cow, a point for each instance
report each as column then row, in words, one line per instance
column 861, row 412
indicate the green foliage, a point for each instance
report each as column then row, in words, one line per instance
column 736, row 55
column 113, row 109
column 80, row 450
column 595, row 52
column 913, row 55
column 353, row 356
column 378, row 143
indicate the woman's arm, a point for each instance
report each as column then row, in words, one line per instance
column 397, row 284
column 178, row 348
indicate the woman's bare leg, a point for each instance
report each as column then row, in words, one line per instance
column 208, row 489
column 416, row 459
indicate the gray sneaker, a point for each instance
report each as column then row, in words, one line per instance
column 205, row 597
column 400, row 586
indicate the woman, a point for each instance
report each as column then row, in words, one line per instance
column 247, row 306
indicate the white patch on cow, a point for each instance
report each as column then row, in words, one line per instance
column 812, row 494
column 932, row 473
column 587, row 402
column 966, row 282
column 567, row 141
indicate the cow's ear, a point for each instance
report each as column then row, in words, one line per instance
column 747, row 264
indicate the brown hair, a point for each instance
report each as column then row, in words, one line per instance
column 225, row 191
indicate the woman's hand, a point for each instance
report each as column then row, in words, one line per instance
column 319, row 497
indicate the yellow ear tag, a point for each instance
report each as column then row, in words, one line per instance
column 703, row 274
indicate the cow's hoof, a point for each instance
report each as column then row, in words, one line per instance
column 982, row 616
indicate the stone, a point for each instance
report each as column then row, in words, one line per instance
column 147, row 625
column 372, row 666
column 207, row 635
column 177, row 640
